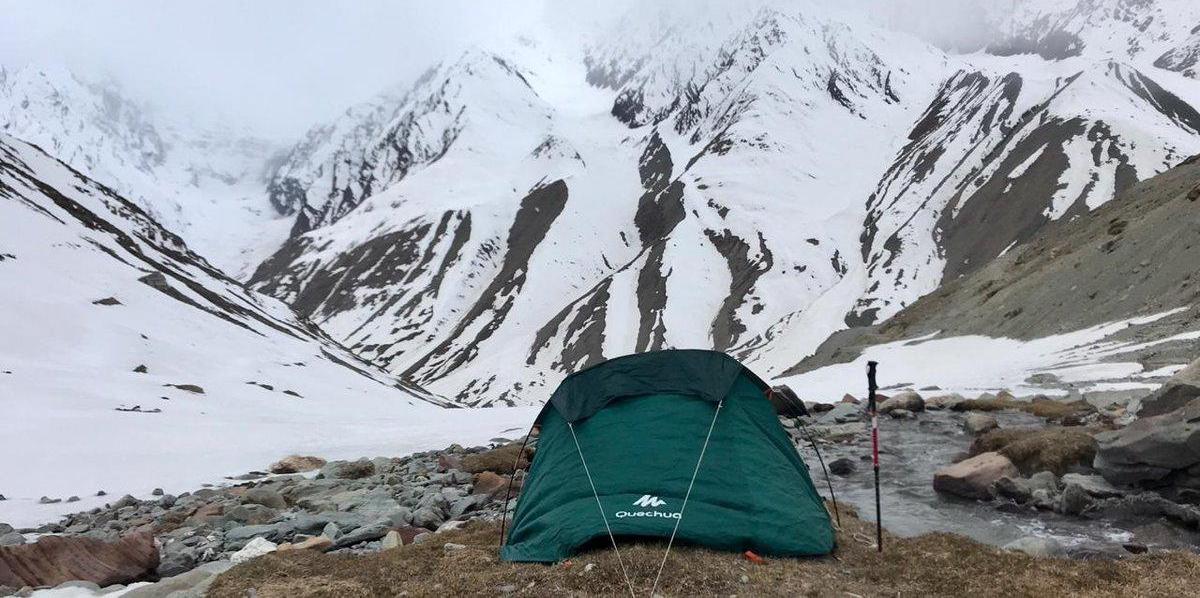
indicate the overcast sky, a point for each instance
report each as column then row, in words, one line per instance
column 276, row 67
column 280, row 65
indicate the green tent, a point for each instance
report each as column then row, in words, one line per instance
column 622, row 442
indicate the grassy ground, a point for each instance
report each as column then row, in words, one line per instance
column 1032, row 450
column 928, row 565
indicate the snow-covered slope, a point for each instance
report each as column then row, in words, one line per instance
column 750, row 180
column 122, row 346
column 203, row 183
column 999, row 154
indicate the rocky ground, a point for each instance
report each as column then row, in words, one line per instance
column 306, row 504
column 1038, row 477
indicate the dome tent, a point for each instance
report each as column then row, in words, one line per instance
column 624, row 445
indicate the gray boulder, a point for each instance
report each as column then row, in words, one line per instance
column 1150, row 448
column 941, row 402
column 427, row 518
column 265, row 497
column 842, row 413
column 907, row 400
column 1093, row 485
column 11, row 539
column 367, row 533
column 348, row 470
column 1177, row 392
column 238, row 537
column 1075, row 500
column 177, row 558
column 978, row 423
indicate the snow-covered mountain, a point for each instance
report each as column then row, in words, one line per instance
column 750, row 181
column 200, row 182
column 699, row 174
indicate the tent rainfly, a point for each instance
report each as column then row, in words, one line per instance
column 678, row 444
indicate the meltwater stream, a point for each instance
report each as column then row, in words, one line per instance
column 911, row 451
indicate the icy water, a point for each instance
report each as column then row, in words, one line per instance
column 911, row 451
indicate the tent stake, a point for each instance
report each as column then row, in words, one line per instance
column 874, row 409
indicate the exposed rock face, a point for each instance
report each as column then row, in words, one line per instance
column 973, row 478
column 56, row 559
column 1181, row 389
column 1151, row 448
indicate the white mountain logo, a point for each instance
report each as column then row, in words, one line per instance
column 649, row 501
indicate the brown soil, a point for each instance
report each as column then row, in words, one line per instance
column 1034, row 450
column 928, row 565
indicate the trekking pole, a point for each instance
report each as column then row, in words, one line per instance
column 873, row 409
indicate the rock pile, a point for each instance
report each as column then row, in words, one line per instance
column 361, row 505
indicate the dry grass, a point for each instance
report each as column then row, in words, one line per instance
column 928, row 565
column 1046, row 408
column 498, row 460
column 1034, row 450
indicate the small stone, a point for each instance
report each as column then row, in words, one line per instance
column 1035, row 547
column 843, row 466
column 507, row 588
column 253, row 549
column 744, row 578
column 73, row 499
column 157, row 492
column 452, row 547
column 901, row 414
column 46, row 500
column 392, row 540
column 101, row 493
column 1135, row 547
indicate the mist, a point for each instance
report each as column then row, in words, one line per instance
column 273, row 68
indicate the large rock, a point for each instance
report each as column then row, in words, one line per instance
column 973, row 478
column 1150, row 448
column 979, row 423
column 366, row 533
column 1177, row 392
column 943, row 402
column 348, row 470
column 842, row 413
column 1094, row 485
column 265, row 497
column 907, row 400
column 56, row 559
